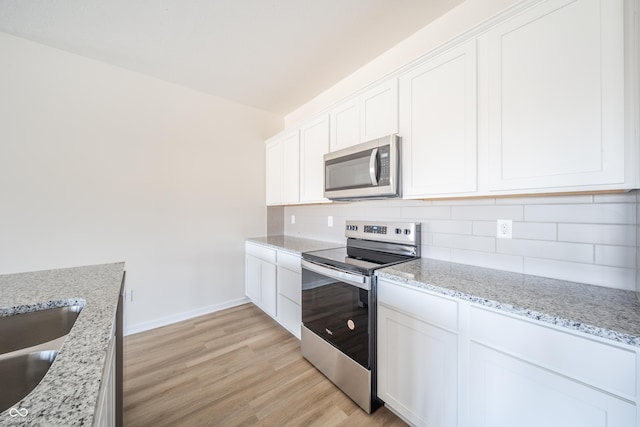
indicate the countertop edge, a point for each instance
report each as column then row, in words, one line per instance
column 558, row 321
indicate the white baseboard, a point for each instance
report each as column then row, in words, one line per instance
column 174, row 318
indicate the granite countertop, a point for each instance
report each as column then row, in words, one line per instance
column 604, row 312
column 295, row 245
column 68, row 393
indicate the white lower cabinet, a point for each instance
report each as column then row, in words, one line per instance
column 289, row 292
column 417, row 368
column 273, row 283
column 444, row 362
column 260, row 277
column 506, row 391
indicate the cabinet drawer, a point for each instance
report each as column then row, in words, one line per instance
column 261, row 252
column 605, row 366
column 290, row 261
column 437, row 310
column 289, row 284
column 289, row 315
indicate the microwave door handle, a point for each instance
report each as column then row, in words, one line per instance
column 373, row 166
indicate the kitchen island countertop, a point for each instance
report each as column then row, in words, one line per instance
column 68, row 392
column 613, row 314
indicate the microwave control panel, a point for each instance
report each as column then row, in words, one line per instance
column 383, row 153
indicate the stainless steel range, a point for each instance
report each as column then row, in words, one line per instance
column 339, row 303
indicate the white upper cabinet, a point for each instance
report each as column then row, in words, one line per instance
column 556, row 98
column 291, row 168
column 314, row 144
column 371, row 115
column 438, row 106
column 283, row 169
column 379, row 111
column 345, row 125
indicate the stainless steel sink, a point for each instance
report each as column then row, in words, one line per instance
column 29, row 343
column 30, row 329
column 20, row 374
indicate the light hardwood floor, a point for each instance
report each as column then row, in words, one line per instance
column 231, row 368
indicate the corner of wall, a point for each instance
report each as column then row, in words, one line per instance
column 638, row 244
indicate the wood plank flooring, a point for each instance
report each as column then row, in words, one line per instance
column 236, row 367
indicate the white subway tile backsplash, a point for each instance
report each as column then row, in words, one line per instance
column 628, row 197
column 464, row 202
column 584, row 238
column 488, row 260
column 445, row 226
column 615, row 213
column 616, row 256
column 612, row 277
column 436, row 252
column 514, row 213
column 474, row 243
column 545, row 200
column 424, row 213
column 578, row 252
column 623, row 235
column 535, row 230
column 485, row 228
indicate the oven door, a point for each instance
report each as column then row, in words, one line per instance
column 336, row 306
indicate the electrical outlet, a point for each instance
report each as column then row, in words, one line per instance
column 329, row 221
column 505, row 229
column 293, row 219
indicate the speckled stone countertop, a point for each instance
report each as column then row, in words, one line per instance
column 295, row 245
column 68, row 393
column 604, row 312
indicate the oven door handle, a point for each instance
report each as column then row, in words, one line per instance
column 362, row 282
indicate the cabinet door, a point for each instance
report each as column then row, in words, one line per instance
column 314, row 144
column 556, row 96
column 379, row 111
column 253, row 277
column 506, row 391
column 345, row 125
column 291, row 168
column 274, row 172
column 268, row 288
column 438, row 124
column 417, row 369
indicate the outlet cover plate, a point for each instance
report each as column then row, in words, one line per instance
column 505, row 229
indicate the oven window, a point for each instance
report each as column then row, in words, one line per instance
column 348, row 172
column 337, row 312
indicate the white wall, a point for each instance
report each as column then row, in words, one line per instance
column 99, row 164
column 582, row 238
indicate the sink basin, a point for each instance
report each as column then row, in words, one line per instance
column 29, row 329
column 21, row 374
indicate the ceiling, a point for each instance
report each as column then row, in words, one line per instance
column 274, row 55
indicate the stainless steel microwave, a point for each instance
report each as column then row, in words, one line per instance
column 364, row 171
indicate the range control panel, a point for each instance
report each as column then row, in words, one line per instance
column 386, row 231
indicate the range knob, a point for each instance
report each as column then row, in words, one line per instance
column 398, row 230
column 407, row 231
